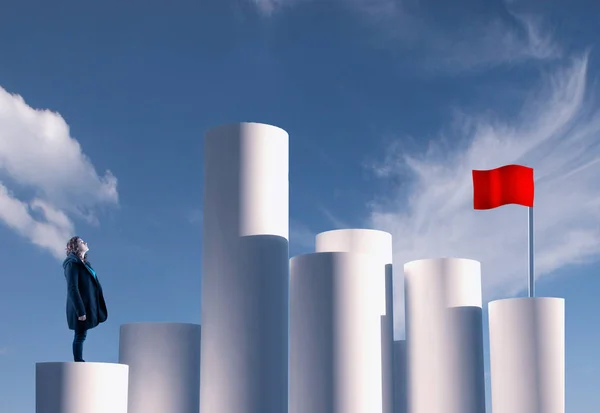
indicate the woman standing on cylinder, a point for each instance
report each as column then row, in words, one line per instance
column 86, row 307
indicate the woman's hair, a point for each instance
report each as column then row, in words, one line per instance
column 73, row 248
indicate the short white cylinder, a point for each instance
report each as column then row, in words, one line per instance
column 81, row 387
column 527, row 355
column 164, row 366
column 444, row 336
column 245, row 270
column 334, row 334
column 400, row 376
column 378, row 244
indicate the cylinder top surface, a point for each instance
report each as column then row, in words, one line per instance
column 219, row 130
column 362, row 231
column 313, row 255
column 438, row 261
column 367, row 241
column 330, row 254
column 159, row 323
column 448, row 282
column 90, row 364
column 525, row 301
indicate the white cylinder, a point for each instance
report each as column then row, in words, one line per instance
column 378, row 244
column 527, row 355
column 334, row 334
column 164, row 366
column 400, row 376
column 245, row 270
column 444, row 336
column 81, row 387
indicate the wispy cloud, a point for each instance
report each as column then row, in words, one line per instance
column 302, row 238
column 195, row 216
column 3, row 351
column 39, row 157
column 558, row 134
column 333, row 219
column 491, row 43
column 471, row 43
column 269, row 7
column 266, row 7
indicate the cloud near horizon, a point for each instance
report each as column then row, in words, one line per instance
column 557, row 133
column 39, row 157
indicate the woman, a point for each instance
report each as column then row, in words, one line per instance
column 86, row 307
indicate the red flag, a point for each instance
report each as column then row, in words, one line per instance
column 510, row 184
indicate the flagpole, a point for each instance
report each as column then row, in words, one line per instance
column 531, row 273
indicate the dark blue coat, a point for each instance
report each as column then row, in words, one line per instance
column 84, row 295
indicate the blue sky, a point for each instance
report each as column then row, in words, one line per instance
column 389, row 105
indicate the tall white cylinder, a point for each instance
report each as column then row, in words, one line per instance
column 444, row 336
column 378, row 244
column 245, row 270
column 81, row 387
column 400, row 376
column 334, row 334
column 164, row 366
column 527, row 355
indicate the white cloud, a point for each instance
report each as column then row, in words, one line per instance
column 38, row 155
column 558, row 134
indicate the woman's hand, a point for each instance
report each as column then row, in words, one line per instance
column 82, row 318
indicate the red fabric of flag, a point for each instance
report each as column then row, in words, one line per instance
column 510, row 184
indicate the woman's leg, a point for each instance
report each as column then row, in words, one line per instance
column 80, row 334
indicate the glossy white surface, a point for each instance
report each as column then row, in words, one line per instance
column 164, row 366
column 527, row 355
column 81, row 387
column 379, row 245
column 335, row 324
column 245, row 270
column 400, row 376
column 444, row 336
